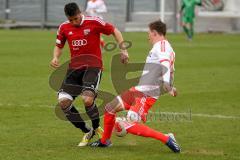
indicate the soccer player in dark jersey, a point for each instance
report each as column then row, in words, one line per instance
column 84, row 73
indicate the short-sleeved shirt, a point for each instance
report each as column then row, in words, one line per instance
column 158, row 69
column 84, row 41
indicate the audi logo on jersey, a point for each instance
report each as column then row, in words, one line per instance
column 79, row 43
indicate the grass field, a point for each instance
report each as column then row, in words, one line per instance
column 207, row 77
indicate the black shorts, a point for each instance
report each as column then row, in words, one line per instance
column 77, row 81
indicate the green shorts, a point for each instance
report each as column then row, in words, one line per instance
column 187, row 20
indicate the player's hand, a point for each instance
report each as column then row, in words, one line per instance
column 173, row 92
column 124, row 57
column 55, row 63
column 170, row 90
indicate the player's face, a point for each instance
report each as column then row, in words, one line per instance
column 150, row 36
column 75, row 20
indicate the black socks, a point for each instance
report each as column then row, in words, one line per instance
column 74, row 117
column 93, row 113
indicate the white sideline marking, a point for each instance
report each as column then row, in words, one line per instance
column 26, row 105
column 215, row 116
column 176, row 113
column 203, row 115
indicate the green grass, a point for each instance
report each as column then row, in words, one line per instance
column 207, row 77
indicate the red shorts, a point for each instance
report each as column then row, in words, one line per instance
column 136, row 101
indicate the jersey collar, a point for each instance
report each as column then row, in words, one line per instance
column 83, row 18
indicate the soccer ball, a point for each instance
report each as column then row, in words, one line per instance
column 120, row 129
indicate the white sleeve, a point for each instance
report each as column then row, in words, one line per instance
column 166, row 72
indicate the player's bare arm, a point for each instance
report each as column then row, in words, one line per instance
column 56, row 54
column 119, row 38
column 179, row 14
column 170, row 90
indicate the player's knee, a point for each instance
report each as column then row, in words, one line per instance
column 114, row 106
column 88, row 101
column 64, row 103
column 64, row 100
column 88, row 98
column 133, row 117
column 110, row 108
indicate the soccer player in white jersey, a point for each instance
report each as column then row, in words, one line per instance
column 96, row 8
column 156, row 80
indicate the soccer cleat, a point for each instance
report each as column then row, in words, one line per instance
column 86, row 138
column 172, row 143
column 98, row 143
column 99, row 132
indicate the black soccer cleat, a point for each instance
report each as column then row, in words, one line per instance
column 98, row 143
column 172, row 144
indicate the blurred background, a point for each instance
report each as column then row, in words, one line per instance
column 128, row 15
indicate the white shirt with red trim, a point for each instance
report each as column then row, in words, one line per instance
column 158, row 69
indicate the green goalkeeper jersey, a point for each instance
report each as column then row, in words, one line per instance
column 188, row 7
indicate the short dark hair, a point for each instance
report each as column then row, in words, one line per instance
column 158, row 26
column 71, row 9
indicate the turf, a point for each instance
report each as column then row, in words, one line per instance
column 207, row 77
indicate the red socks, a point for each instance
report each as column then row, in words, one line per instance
column 137, row 129
column 145, row 131
column 109, row 122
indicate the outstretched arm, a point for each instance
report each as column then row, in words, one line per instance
column 119, row 38
column 166, row 80
column 181, row 10
column 182, row 7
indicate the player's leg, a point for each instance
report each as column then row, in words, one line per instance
column 145, row 131
column 66, row 96
column 91, row 108
column 188, row 27
column 185, row 29
column 139, row 129
column 109, row 121
column 65, row 102
column 139, row 112
column 90, row 82
column 109, row 118
column 92, row 112
column 69, row 90
column 118, row 104
column 191, row 29
column 184, row 25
